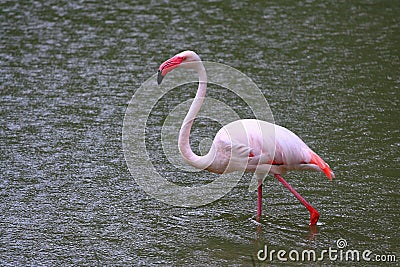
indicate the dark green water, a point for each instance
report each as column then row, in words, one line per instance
column 330, row 72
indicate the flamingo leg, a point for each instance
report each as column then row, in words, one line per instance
column 314, row 215
column 259, row 200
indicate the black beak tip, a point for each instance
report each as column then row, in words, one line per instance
column 159, row 77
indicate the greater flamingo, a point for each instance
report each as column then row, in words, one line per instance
column 242, row 144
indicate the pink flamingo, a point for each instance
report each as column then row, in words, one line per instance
column 243, row 144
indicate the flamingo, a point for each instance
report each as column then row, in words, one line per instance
column 243, row 144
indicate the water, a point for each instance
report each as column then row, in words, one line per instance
column 330, row 72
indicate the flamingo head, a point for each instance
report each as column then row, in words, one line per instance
column 176, row 61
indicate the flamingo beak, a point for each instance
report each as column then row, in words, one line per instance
column 167, row 66
column 159, row 77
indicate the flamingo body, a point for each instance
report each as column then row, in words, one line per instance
column 264, row 148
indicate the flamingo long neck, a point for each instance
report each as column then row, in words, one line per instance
column 200, row 162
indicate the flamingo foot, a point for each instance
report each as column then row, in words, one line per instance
column 314, row 216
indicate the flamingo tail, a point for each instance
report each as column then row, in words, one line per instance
column 317, row 160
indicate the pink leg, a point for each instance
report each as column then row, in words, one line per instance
column 314, row 215
column 259, row 200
